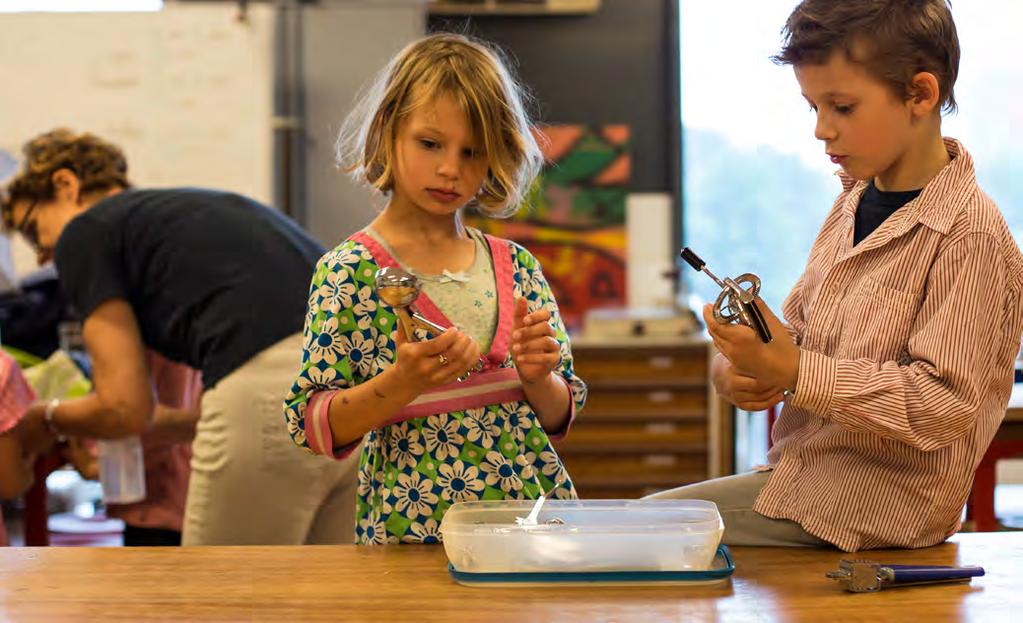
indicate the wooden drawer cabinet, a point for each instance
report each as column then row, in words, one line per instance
column 651, row 421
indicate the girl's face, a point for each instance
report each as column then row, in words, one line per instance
column 439, row 164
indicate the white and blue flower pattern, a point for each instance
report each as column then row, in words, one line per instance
column 372, row 531
column 427, row 532
column 461, row 482
column 480, row 427
column 360, row 351
column 411, row 471
column 413, row 495
column 336, row 292
column 406, row 449
column 442, row 436
column 324, row 346
column 519, row 422
column 500, row 472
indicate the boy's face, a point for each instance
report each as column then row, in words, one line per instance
column 865, row 127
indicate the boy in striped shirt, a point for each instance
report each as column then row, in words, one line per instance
column 896, row 362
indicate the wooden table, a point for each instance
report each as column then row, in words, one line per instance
column 411, row 583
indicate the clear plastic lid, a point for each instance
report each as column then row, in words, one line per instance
column 583, row 517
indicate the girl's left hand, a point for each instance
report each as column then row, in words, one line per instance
column 534, row 349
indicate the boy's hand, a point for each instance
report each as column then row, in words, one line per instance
column 745, row 392
column 775, row 364
column 534, row 349
column 434, row 362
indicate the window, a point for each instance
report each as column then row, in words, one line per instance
column 78, row 6
column 756, row 183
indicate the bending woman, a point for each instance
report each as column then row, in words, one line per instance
column 207, row 278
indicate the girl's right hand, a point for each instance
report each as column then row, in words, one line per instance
column 434, row 362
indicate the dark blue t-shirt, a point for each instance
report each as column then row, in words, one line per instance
column 213, row 277
column 876, row 206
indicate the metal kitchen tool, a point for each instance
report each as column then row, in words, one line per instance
column 737, row 300
column 400, row 289
column 530, row 519
column 867, row 576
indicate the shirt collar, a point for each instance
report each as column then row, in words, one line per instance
column 940, row 200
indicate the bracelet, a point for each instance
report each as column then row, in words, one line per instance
column 51, row 426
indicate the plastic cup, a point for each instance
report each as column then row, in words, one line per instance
column 121, row 471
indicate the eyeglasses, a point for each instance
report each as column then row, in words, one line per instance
column 29, row 230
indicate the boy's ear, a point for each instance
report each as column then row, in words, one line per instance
column 924, row 93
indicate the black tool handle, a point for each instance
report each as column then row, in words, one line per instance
column 758, row 321
column 692, row 259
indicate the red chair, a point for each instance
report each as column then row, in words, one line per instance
column 980, row 507
column 37, row 533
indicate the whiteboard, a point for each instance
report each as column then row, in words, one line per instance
column 187, row 92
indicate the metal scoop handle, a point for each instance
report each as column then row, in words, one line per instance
column 735, row 302
column 410, row 320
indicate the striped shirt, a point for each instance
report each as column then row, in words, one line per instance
column 907, row 343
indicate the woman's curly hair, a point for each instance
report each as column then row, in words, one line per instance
column 98, row 164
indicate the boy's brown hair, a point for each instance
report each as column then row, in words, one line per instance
column 893, row 39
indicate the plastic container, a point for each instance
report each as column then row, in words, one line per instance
column 582, row 536
column 121, row 470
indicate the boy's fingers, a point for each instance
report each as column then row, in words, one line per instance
column 762, row 405
column 708, row 316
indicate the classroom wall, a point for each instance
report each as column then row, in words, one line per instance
column 343, row 45
column 186, row 92
column 617, row 65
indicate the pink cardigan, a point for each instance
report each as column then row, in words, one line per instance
column 15, row 397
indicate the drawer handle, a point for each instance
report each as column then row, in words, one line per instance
column 660, row 428
column 661, row 362
column 660, row 460
column 659, row 397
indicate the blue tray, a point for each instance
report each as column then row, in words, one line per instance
column 720, row 569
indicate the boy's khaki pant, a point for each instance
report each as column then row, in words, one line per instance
column 734, row 496
column 250, row 483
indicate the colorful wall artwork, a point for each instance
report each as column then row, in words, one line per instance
column 574, row 220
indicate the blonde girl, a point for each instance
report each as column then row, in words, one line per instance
column 442, row 127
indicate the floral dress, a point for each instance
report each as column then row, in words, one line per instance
column 476, row 440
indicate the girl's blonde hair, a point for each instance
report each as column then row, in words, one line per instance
column 99, row 165
column 479, row 81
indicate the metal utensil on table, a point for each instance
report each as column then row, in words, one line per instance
column 400, row 289
column 867, row 576
column 737, row 300
column 530, row 519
